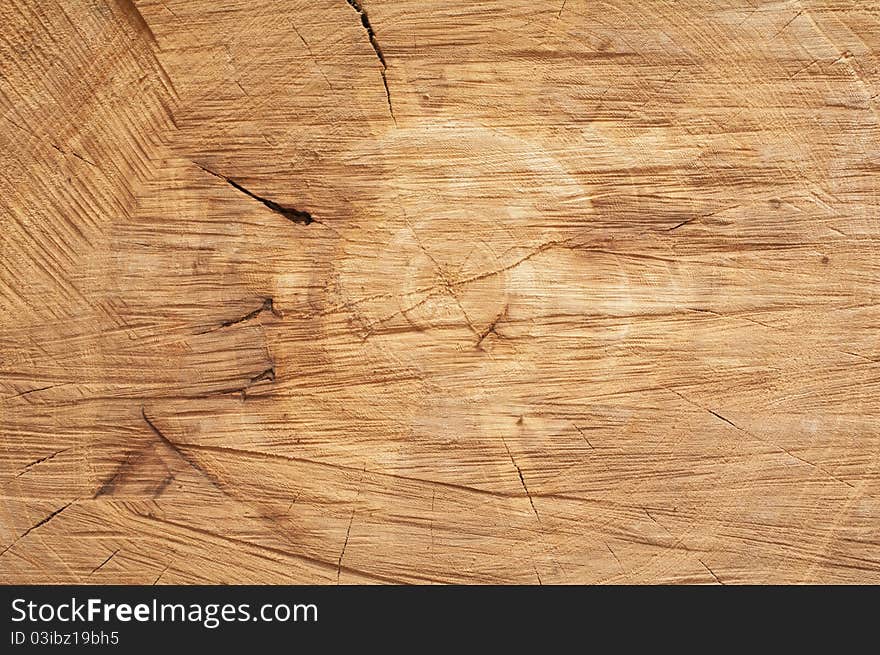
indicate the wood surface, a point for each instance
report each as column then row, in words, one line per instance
column 383, row 291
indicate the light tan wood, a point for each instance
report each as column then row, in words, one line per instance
column 454, row 291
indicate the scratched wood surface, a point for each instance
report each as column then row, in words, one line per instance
column 449, row 291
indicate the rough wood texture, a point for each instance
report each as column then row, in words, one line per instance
column 453, row 291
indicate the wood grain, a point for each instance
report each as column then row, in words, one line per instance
column 452, row 291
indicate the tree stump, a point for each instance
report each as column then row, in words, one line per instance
column 457, row 292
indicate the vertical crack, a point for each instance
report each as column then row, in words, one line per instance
column 371, row 34
column 521, row 479
column 350, row 522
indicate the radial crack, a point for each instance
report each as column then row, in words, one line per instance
column 344, row 546
column 521, row 479
column 179, row 450
column 711, row 572
column 371, row 34
column 761, row 439
column 28, row 467
column 491, row 329
column 350, row 522
column 37, row 525
column 290, row 213
column 101, row 565
column 267, row 306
